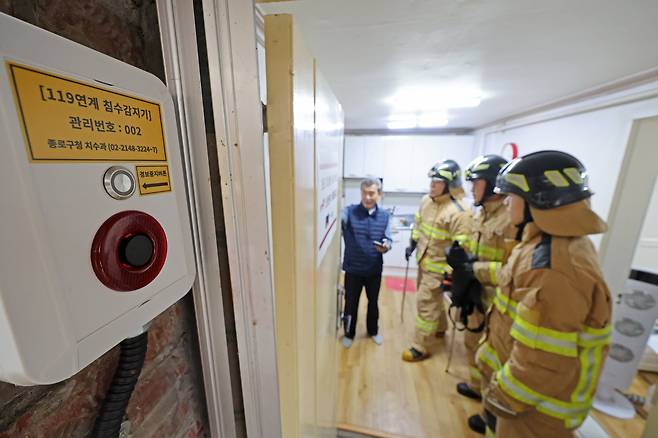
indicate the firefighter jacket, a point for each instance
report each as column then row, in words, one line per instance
column 491, row 242
column 439, row 221
column 549, row 328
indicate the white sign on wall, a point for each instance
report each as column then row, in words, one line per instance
column 328, row 166
column 328, row 175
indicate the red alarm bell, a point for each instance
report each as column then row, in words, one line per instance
column 128, row 251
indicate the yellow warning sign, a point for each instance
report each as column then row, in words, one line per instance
column 153, row 179
column 67, row 120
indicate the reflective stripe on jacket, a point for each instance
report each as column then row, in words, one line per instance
column 438, row 222
column 491, row 242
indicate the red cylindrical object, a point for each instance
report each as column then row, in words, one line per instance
column 110, row 264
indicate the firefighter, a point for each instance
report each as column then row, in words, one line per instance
column 457, row 190
column 491, row 242
column 442, row 218
column 549, row 328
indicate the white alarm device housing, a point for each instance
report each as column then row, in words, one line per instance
column 95, row 236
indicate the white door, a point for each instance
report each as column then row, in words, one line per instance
column 305, row 128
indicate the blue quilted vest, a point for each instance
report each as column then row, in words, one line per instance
column 360, row 230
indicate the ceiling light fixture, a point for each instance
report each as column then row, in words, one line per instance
column 402, row 124
column 432, row 120
column 426, row 99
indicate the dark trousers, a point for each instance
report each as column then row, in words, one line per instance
column 353, row 285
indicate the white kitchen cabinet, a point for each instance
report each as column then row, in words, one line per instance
column 403, row 160
column 426, row 154
column 387, row 157
column 374, row 160
column 354, row 166
column 395, row 165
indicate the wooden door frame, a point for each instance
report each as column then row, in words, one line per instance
column 180, row 55
column 232, row 62
column 230, row 33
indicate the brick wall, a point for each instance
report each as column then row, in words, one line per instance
column 168, row 400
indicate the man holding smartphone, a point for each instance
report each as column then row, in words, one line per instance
column 367, row 235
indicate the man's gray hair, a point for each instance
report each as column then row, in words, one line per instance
column 371, row 181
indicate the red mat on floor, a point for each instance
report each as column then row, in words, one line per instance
column 396, row 284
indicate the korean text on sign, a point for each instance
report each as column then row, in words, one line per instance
column 63, row 119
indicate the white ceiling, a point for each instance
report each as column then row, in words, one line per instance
column 519, row 53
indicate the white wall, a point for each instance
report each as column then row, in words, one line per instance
column 597, row 137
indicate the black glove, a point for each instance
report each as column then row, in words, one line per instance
column 466, row 289
column 467, row 298
column 410, row 249
column 462, row 282
column 458, row 259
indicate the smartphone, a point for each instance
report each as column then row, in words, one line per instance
column 379, row 244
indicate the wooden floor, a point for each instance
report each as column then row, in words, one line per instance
column 628, row 428
column 378, row 391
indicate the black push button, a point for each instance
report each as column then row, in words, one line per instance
column 136, row 250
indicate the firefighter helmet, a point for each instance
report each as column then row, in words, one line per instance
column 448, row 171
column 485, row 167
column 545, row 179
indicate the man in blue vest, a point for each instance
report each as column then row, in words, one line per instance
column 367, row 235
